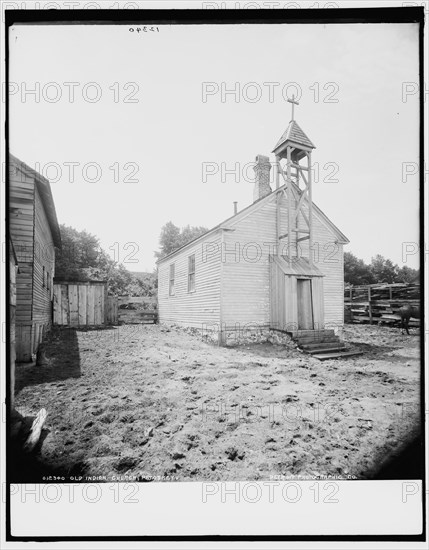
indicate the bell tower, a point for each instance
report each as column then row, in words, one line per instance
column 293, row 171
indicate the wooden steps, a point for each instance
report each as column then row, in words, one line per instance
column 308, row 340
column 322, row 344
column 319, row 345
column 336, row 355
column 313, row 333
column 326, row 350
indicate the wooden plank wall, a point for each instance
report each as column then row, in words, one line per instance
column 328, row 257
column 246, row 268
column 79, row 304
column 246, row 272
column 112, row 310
column 280, row 292
column 318, row 302
column 291, row 303
column 13, row 268
column 284, row 312
column 44, row 265
column 33, row 243
column 43, row 274
column 99, row 305
column 200, row 308
column 233, row 286
column 21, row 223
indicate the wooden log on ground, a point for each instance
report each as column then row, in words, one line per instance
column 35, row 431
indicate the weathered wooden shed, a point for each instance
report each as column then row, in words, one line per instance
column 277, row 264
column 35, row 234
column 80, row 303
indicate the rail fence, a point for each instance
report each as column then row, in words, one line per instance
column 379, row 303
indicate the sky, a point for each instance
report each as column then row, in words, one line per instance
column 135, row 129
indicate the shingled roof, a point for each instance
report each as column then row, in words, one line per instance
column 296, row 134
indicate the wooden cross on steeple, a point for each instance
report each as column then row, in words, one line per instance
column 293, row 104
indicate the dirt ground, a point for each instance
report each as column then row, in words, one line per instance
column 143, row 402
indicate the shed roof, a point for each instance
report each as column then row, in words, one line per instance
column 298, row 267
column 44, row 189
column 295, row 133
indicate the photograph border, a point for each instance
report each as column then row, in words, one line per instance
column 219, row 17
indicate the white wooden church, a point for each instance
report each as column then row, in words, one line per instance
column 277, row 264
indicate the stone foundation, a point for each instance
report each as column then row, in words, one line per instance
column 237, row 336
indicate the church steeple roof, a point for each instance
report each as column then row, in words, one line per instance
column 296, row 134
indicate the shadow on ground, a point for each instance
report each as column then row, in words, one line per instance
column 29, row 467
column 62, row 361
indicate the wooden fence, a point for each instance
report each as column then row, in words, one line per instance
column 78, row 304
column 379, row 303
column 137, row 310
column 111, row 314
column 85, row 304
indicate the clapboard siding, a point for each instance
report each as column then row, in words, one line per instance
column 44, row 265
column 21, row 216
column 31, row 235
column 328, row 256
column 280, row 287
column 13, row 270
column 21, row 224
column 246, row 271
column 234, row 287
column 199, row 308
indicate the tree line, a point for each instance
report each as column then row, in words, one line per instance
column 379, row 270
column 83, row 259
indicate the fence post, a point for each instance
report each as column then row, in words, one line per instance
column 351, row 304
column 369, row 308
column 105, row 316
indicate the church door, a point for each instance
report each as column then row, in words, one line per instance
column 305, row 308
